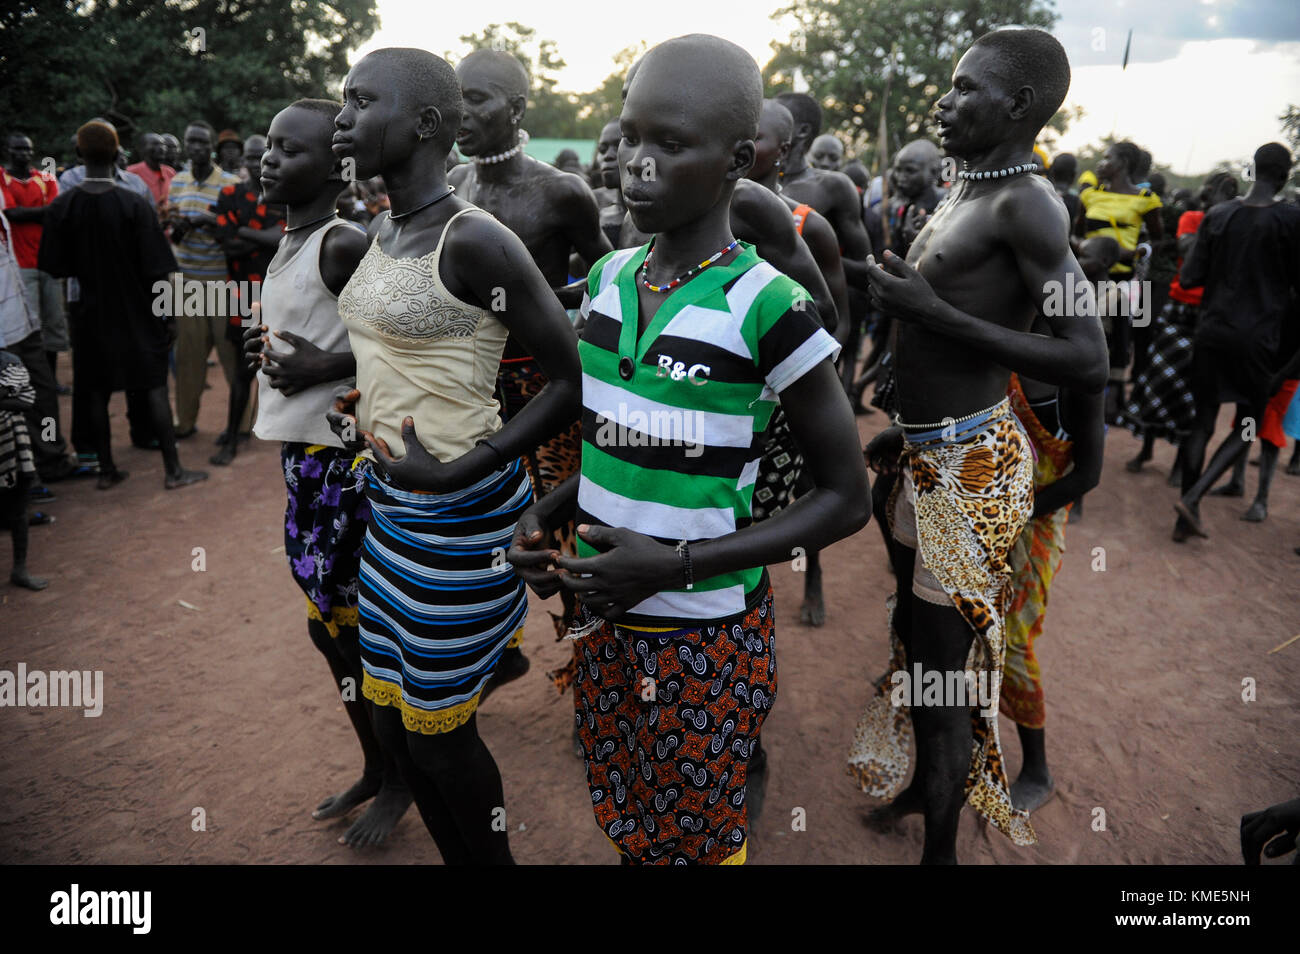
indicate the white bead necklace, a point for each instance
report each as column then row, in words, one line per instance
column 503, row 156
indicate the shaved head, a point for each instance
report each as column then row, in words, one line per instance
column 422, row 79
column 499, row 69
column 777, row 118
column 919, row 150
column 699, row 61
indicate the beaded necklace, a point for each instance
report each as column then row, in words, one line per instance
column 503, row 156
column 997, row 173
column 689, row 273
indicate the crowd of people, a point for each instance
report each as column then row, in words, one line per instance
column 633, row 385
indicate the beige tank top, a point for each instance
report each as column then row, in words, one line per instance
column 421, row 352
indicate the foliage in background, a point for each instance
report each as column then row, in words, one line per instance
column 142, row 65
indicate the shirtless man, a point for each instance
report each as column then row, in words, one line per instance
column 775, row 133
column 554, row 214
column 834, row 195
column 963, row 304
column 609, row 196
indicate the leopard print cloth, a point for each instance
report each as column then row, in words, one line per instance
column 973, row 498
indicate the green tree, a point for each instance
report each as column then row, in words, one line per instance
column 151, row 66
column 849, row 51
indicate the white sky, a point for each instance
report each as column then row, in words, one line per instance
column 1191, row 102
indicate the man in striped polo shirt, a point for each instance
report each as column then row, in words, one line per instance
column 690, row 343
column 193, row 200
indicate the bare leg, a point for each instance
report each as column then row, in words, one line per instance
column 1293, row 466
column 941, row 640
column 1144, row 455
column 160, row 411
column 13, row 507
column 466, row 776
column 380, row 777
column 109, row 475
column 1268, row 454
column 433, row 807
column 1035, row 784
column 239, row 394
column 813, row 610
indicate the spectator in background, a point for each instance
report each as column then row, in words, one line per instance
column 249, row 232
column 192, row 214
column 71, row 178
column 1061, row 174
column 110, row 240
column 27, row 193
column 856, row 171
column 1245, row 255
column 230, row 151
column 568, row 161
column 172, row 151
column 1116, row 208
column 20, row 334
column 827, row 153
column 157, row 175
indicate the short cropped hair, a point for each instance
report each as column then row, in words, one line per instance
column 427, row 79
column 1035, row 58
column 1273, row 162
column 804, row 109
column 323, row 107
column 97, row 142
column 202, row 124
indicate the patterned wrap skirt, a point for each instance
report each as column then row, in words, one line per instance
column 971, row 493
column 439, row 601
column 667, row 724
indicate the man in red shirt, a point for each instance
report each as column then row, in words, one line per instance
column 27, row 192
column 156, row 174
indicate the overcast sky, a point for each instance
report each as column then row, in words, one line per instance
column 1206, row 79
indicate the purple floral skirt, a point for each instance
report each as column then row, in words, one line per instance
column 324, row 527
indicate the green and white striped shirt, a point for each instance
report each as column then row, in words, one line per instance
column 672, row 423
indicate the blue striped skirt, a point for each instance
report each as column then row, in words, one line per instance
column 438, row 600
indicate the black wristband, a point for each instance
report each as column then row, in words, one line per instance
column 688, row 572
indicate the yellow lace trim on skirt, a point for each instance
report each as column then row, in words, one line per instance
column 739, row 857
column 339, row 616
column 417, row 720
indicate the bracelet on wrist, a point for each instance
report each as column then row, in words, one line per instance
column 688, row 571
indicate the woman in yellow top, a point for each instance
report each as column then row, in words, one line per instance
column 1116, row 208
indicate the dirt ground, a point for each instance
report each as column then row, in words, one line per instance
column 227, row 707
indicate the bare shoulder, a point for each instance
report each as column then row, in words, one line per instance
column 342, row 244
column 560, row 186
column 458, row 174
column 480, row 237
column 758, row 206
column 1030, row 211
column 840, row 185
